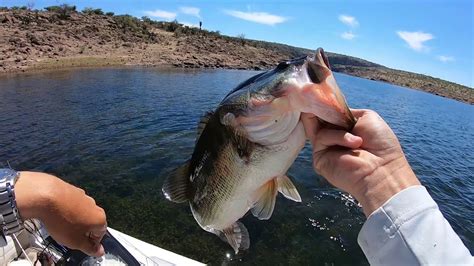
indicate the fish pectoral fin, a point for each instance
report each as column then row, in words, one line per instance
column 264, row 206
column 237, row 236
column 177, row 185
column 288, row 189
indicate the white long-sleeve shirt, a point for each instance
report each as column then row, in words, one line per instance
column 409, row 229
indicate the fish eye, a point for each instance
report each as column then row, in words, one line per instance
column 283, row 65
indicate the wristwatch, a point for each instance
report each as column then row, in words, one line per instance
column 10, row 220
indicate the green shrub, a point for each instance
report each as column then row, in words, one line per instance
column 110, row 14
column 133, row 26
column 52, row 8
column 90, row 11
column 64, row 11
column 147, row 20
column 128, row 22
column 61, row 8
column 98, row 11
column 241, row 38
column 172, row 26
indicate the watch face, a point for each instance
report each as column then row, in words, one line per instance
column 7, row 174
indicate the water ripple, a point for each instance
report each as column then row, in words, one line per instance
column 105, row 129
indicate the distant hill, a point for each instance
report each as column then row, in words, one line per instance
column 33, row 40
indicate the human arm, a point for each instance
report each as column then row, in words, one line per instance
column 71, row 217
column 404, row 223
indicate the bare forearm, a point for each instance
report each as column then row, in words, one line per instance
column 34, row 193
column 71, row 217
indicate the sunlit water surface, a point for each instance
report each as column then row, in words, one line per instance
column 118, row 132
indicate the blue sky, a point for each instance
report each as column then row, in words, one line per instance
column 429, row 37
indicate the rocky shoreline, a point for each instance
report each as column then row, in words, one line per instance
column 46, row 40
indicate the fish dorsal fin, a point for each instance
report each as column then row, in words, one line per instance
column 237, row 236
column 177, row 186
column 264, row 206
column 202, row 124
column 288, row 189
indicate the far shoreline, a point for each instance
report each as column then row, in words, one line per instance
column 33, row 41
column 71, row 63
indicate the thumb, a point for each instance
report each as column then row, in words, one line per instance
column 92, row 248
column 334, row 137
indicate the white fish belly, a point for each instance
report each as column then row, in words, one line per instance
column 276, row 162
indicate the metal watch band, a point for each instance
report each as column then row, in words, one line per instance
column 10, row 220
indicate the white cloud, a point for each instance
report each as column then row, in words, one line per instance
column 258, row 17
column 189, row 24
column 348, row 35
column 189, row 10
column 445, row 58
column 349, row 20
column 161, row 14
column 416, row 39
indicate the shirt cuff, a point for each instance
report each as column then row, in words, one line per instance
column 383, row 224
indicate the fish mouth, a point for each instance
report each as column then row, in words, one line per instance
column 323, row 96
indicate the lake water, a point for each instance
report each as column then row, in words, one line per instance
column 117, row 133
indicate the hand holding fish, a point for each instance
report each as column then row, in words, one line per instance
column 369, row 163
column 247, row 144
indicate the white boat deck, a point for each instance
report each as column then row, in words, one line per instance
column 149, row 254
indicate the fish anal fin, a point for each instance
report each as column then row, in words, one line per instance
column 237, row 236
column 202, row 124
column 177, row 186
column 287, row 188
column 265, row 204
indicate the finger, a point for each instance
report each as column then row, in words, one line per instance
column 98, row 220
column 100, row 252
column 92, row 248
column 311, row 126
column 360, row 112
column 325, row 163
column 333, row 137
column 97, row 236
column 328, row 162
column 91, row 199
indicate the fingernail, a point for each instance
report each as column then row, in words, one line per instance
column 96, row 235
column 353, row 138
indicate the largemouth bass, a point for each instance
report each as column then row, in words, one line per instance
column 245, row 147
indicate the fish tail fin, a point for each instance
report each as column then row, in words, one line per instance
column 237, row 236
column 287, row 188
column 177, row 186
